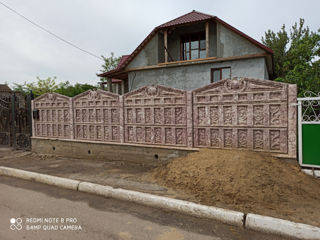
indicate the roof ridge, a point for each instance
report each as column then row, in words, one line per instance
column 209, row 15
column 184, row 15
column 174, row 19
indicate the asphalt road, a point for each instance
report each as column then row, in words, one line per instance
column 46, row 212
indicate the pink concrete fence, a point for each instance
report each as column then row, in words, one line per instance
column 97, row 116
column 157, row 115
column 245, row 113
column 55, row 119
column 234, row 113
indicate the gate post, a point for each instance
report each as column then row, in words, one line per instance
column 292, row 120
column 29, row 112
column 13, row 111
column 33, row 124
column 300, row 131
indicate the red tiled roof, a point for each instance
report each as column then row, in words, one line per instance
column 191, row 17
column 122, row 61
column 120, row 65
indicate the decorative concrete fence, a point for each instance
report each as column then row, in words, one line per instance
column 157, row 115
column 234, row 113
column 55, row 116
column 97, row 116
column 246, row 113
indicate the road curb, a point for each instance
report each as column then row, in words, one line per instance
column 42, row 178
column 281, row 227
column 223, row 215
column 249, row 221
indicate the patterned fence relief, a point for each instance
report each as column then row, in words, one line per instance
column 244, row 113
column 55, row 118
column 97, row 116
column 156, row 115
column 233, row 113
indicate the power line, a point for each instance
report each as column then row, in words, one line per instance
column 51, row 33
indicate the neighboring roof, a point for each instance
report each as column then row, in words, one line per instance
column 191, row 17
column 114, row 80
column 5, row 88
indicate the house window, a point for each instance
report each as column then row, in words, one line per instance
column 193, row 46
column 220, row 73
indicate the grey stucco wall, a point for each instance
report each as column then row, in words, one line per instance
column 148, row 55
column 231, row 44
column 190, row 77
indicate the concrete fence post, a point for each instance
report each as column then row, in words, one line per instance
column 189, row 120
column 121, row 119
column 72, row 130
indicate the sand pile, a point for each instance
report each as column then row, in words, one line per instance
column 246, row 181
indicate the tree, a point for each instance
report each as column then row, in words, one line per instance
column 38, row 88
column 49, row 85
column 110, row 63
column 296, row 56
column 67, row 89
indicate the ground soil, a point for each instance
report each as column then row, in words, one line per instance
column 115, row 173
column 245, row 181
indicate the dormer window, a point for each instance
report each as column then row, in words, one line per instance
column 193, row 46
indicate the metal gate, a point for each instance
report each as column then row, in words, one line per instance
column 309, row 130
column 15, row 121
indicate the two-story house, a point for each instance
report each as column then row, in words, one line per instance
column 189, row 52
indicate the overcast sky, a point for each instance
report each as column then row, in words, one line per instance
column 102, row 26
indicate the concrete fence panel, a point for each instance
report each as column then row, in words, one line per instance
column 55, row 119
column 244, row 113
column 156, row 115
column 97, row 116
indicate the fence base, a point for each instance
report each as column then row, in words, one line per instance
column 107, row 151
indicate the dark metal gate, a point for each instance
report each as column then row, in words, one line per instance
column 15, row 121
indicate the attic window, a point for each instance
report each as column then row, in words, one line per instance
column 193, row 46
